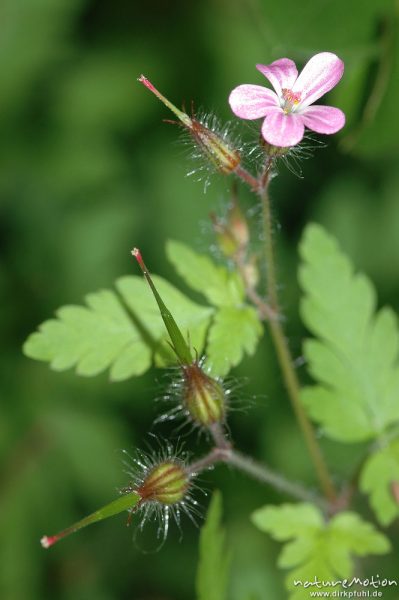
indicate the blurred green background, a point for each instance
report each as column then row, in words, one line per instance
column 88, row 170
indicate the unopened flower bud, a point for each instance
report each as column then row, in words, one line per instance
column 166, row 483
column 203, row 396
column 213, row 145
column 233, row 232
column 238, row 224
column 225, row 240
column 251, row 272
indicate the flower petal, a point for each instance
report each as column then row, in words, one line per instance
column 320, row 74
column 252, row 101
column 323, row 119
column 280, row 129
column 281, row 73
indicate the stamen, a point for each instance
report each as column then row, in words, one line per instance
column 291, row 99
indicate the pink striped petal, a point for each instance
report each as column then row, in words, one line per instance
column 323, row 119
column 280, row 129
column 252, row 101
column 320, row 74
column 281, row 73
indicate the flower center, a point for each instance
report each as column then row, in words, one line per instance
column 291, row 100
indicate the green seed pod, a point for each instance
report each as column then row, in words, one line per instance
column 203, row 396
column 213, row 144
column 166, row 483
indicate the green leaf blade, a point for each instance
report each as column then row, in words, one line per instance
column 104, row 335
column 315, row 549
column 213, row 567
column 354, row 358
column 379, row 474
column 288, row 520
column 234, row 332
column 90, row 338
column 192, row 318
column 215, row 282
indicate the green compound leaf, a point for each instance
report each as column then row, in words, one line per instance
column 379, row 479
column 316, row 550
column 92, row 338
column 192, row 319
column 103, row 334
column 234, row 331
column 214, row 560
column 216, row 283
column 235, row 328
column 355, row 356
column 126, row 332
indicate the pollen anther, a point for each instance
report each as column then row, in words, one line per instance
column 291, row 99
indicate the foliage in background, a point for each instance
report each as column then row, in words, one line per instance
column 87, row 173
column 214, row 560
column 102, row 335
column 316, row 547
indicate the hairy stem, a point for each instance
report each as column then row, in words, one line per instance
column 219, row 436
column 271, row 279
column 262, row 473
column 202, row 464
column 264, row 310
column 256, row 470
column 247, row 177
column 282, row 349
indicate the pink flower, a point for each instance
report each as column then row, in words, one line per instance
column 288, row 109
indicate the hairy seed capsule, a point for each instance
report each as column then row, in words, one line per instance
column 166, row 483
column 212, row 145
column 204, row 396
column 219, row 153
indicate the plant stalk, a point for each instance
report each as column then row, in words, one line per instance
column 255, row 470
column 282, row 349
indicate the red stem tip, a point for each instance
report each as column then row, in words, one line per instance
column 143, row 79
column 137, row 255
column 48, row 541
